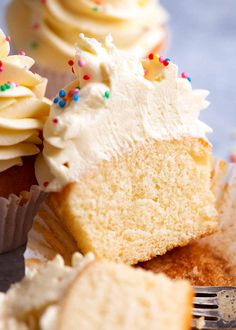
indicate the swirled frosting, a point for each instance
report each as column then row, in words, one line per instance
column 121, row 102
column 23, row 108
column 49, row 30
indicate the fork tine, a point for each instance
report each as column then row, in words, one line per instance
column 207, row 289
column 206, row 301
column 211, row 325
column 206, row 312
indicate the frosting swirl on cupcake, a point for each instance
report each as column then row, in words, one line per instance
column 23, row 108
column 52, row 27
column 116, row 103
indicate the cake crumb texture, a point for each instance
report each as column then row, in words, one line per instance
column 143, row 203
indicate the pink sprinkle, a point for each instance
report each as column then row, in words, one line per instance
column 21, row 52
column 8, row 38
column 184, row 75
column 81, row 63
column 36, row 26
column 161, row 59
column 74, row 91
column 1, row 69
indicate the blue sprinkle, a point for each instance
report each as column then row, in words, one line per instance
column 56, row 100
column 62, row 93
column 189, row 79
column 167, row 59
column 76, row 97
column 62, row 103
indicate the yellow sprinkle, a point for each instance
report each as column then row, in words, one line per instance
column 142, row 3
column 156, row 57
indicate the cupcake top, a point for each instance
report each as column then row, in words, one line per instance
column 48, row 30
column 116, row 103
column 23, row 108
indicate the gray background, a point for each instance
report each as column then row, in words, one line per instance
column 203, row 44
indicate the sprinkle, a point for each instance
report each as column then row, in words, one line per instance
column 45, row 184
column 232, row 158
column 36, row 26
column 166, row 63
column 86, row 77
column 62, row 103
column 74, row 91
column 185, row 76
column 21, row 52
column 72, row 69
column 34, row 44
column 106, row 95
column 55, row 121
column 70, row 62
column 76, row 97
column 56, row 100
column 151, row 56
column 95, row 8
column 8, row 38
column 62, row 93
column 81, row 63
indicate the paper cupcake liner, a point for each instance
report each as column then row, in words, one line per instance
column 16, row 217
column 56, row 80
column 47, row 238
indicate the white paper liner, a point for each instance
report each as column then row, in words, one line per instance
column 224, row 187
column 16, row 217
column 56, row 80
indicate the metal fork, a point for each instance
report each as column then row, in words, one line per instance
column 217, row 305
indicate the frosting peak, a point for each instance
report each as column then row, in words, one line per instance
column 23, row 108
column 135, row 25
column 116, row 103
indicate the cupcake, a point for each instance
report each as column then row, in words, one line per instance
column 96, row 294
column 48, row 30
column 126, row 159
column 23, row 110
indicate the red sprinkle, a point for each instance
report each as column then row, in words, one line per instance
column 72, row 69
column 21, row 52
column 86, row 77
column 45, row 184
column 1, row 64
column 8, row 38
column 55, row 121
column 151, row 56
column 165, row 63
column 232, row 158
column 184, row 75
column 70, row 62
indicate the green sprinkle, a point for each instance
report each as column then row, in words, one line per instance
column 106, row 95
column 34, row 44
column 8, row 86
column 95, row 8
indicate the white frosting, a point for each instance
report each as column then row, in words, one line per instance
column 157, row 105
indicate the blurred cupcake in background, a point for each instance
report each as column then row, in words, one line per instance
column 23, row 111
column 48, row 30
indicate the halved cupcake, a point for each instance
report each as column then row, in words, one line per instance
column 23, row 111
column 126, row 158
column 48, row 30
column 96, row 294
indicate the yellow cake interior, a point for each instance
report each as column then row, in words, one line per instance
column 142, row 203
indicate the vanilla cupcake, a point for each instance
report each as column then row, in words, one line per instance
column 48, row 30
column 23, row 111
column 126, row 159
